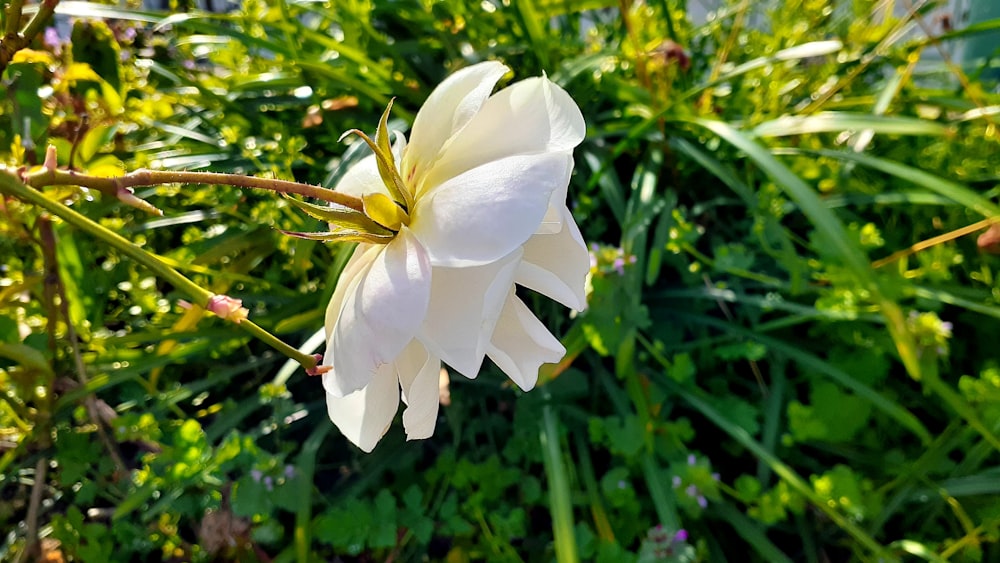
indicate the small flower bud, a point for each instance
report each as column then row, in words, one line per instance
column 228, row 308
column 318, row 369
column 50, row 159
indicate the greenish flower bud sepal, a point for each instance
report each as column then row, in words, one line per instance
column 383, row 215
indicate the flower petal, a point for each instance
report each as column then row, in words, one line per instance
column 380, row 317
column 359, row 263
column 556, row 265
column 447, row 110
column 418, row 375
column 521, row 344
column 364, row 416
column 465, row 305
column 532, row 116
column 485, row 213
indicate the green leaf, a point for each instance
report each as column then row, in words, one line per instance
column 834, row 122
column 250, row 498
column 26, row 356
column 625, row 435
column 951, row 190
column 830, row 231
column 94, row 43
column 833, row 415
column 346, row 526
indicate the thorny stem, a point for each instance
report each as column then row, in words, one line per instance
column 934, row 241
column 193, row 291
column 12, row 41
column 13, row 18
column 38, row 21
column 113, row 186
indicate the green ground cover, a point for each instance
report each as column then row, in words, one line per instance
column 790, row 351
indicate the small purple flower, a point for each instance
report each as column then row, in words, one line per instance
column 681, row 535
column 619, row 266
column 691, row 491
column 702, row 501
column 269, row 483
column 52, row 40
column 289, row 471
column 715, row 476
column 256, row 474
column 692, row 459
column 676, row 481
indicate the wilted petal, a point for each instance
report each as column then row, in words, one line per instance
column 447, row 110
column 380, row 317
column 529, row 117
column 465, row 306
column 418, row 375
column 556, row 265
column 487, row 212
column 364, row 416
column 521, row 344
column 555, row 216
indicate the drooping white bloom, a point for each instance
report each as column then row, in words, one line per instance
column 486, row 177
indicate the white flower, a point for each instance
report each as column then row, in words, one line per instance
column 483, row 207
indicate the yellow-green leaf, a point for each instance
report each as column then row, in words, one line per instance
column 340, row 218
column 340, row 236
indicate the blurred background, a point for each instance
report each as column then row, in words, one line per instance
column 790, row 347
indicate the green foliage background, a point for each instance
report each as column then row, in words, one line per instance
column 748, row 370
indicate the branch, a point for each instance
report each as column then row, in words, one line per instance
column 116, row 187
column 197, row 294
column 12, row 41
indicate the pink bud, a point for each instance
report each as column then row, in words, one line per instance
column 50, row 159
column 228, row 308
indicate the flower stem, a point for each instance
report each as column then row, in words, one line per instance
column 12, row 41
column 142, row 177
column 13, row 18
column 198, row 295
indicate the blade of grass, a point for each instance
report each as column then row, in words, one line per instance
column 305, row 469
column 835, row 122
column 782, row 470
column 560, row 500
column 750, row 531
column 952, row 190
column 904, row 417
column 832, row 231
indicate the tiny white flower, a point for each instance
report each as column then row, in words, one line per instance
column 482, row 207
